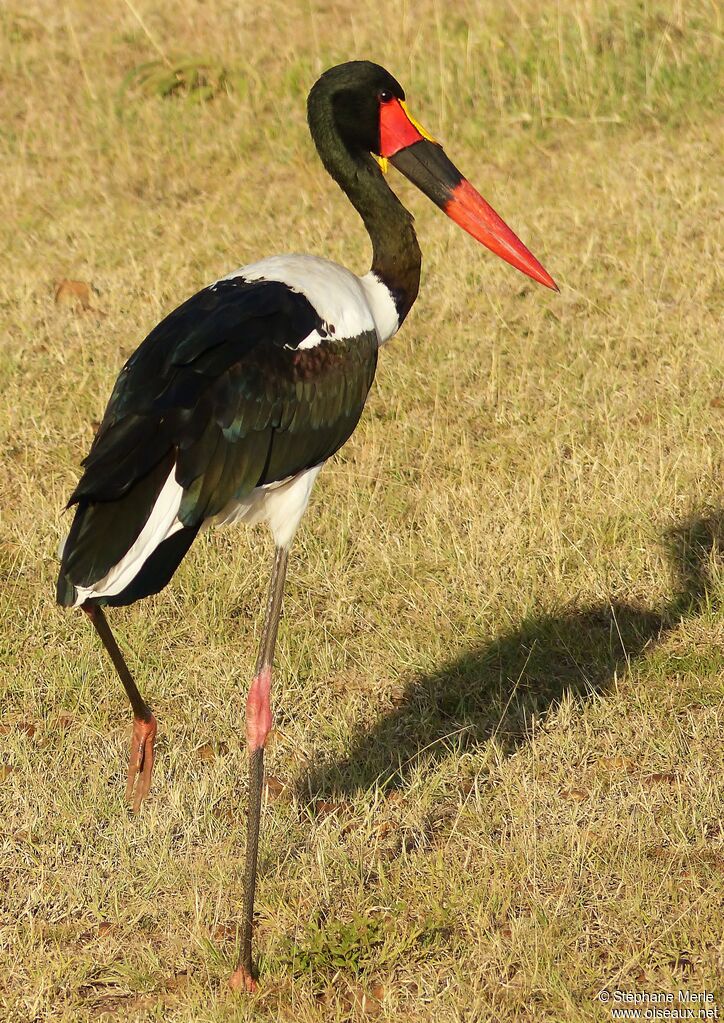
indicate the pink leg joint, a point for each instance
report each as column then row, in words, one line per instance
column 258, row 710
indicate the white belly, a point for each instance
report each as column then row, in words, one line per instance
column 280, row 505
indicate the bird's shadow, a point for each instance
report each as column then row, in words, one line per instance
column 497, row 688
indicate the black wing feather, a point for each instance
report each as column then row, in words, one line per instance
column 221, row 388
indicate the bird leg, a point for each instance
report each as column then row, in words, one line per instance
column 258, row 725
column 140, row 762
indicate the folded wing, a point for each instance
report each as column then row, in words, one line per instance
column 242, row 386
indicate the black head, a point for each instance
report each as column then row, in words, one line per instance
column 357, row 111
column 354, row 91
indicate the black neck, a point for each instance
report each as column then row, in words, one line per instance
column 396, row 256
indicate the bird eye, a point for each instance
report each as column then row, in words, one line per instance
column 385, row 96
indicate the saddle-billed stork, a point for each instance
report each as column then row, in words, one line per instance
column 233, row 403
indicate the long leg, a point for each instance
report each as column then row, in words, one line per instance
column 258, row 725
column 140, row 762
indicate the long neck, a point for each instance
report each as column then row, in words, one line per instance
column 396, row 256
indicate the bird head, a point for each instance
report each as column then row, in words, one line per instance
column 371, row 115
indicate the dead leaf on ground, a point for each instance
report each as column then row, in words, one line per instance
column 5, row 771
column 76, row 294
column 574, row 794
column 28, row 727
column 276, row 789
column 322, row 808
column 65, row 720
column 658, row 852
column 355, row 997
column 514, row 978
column 660, row 778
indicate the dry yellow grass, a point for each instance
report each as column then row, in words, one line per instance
column 499, row 689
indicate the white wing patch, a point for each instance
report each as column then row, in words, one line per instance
column 339, row 296
column 312, row 339
column 162, row 523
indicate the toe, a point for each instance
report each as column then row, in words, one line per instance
column 140, row 762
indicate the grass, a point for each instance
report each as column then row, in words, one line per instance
column 496, row 773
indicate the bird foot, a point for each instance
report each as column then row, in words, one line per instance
column 140, row 762
column 242, row 980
